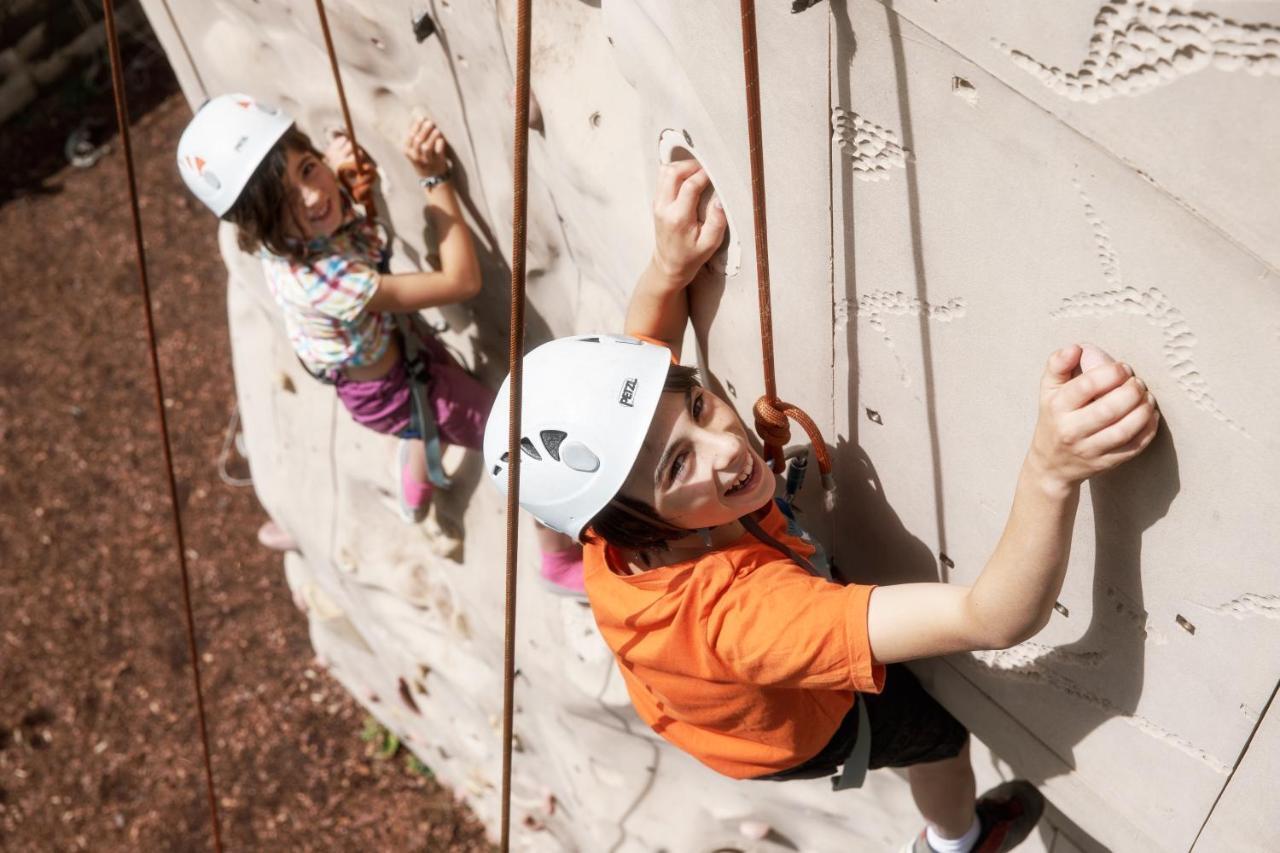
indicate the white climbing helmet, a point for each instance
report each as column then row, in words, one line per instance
column 587, row 405
column 224, row 143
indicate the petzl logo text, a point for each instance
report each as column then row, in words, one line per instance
column 628, row 397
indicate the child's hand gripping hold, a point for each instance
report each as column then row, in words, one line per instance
column 1090, row 422
column 426, row 149
column 683, row 242
column 359, row 175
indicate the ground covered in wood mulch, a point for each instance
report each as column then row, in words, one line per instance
column 99, row 746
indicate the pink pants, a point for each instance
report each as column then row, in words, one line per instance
column 461, row 404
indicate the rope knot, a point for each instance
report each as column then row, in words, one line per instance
column 773, row 425
column 359, row 176
column 771, row 421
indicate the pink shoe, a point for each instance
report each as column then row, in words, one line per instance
column 276, row 538
column 415, row 495
column 561, row 571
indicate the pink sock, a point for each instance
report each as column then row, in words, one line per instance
column 416, row 494
column 564, row 568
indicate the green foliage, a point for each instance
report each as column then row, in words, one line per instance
column 385, row 742
column 414, row 765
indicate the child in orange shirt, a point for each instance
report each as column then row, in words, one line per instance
column 731, row 648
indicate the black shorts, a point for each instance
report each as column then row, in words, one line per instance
column 908, row 726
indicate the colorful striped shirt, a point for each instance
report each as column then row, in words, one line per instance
column 324, row 298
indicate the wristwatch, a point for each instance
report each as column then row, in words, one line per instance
column 436, row 180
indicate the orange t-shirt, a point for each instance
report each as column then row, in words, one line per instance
column 740, row 658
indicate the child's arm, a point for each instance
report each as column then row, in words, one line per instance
column 458, row 278
column 659, row 306
column 1092, row 423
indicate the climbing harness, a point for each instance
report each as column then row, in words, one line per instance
column 122, row 119
column 771, row 413
column 360, row 178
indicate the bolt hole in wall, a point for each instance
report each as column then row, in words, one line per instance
column 676, row 145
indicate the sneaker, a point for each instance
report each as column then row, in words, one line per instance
column 414, row 495
column 561, row 572
column 1007, row 814
column 275, row 537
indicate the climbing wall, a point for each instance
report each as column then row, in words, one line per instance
column 955, row 189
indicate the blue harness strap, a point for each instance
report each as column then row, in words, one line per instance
column 415, row 366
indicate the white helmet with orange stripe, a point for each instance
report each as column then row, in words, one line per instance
column 587, row 405
column 223, row 145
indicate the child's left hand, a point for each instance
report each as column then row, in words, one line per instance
column 426, row 148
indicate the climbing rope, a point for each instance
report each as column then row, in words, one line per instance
column 359, row 176
column 772, row 415
column 520, row 181
column 362, row 182
column 122, row 119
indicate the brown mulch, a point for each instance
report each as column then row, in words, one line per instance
column 99, row 747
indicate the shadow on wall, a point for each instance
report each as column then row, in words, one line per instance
column 1101, row 674
column 484, row 319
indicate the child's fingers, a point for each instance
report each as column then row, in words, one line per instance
column 1060, row 366
column 692, row 189
column 1135, row 445
column 670, row 176
column 1077, row 393
column 713, row 227
column 1106, row 410
column 1123, row 430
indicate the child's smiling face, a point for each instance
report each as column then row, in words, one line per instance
column 313, row 197
column 697, row 467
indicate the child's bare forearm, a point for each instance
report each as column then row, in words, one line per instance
column 659, row 307
column 1013, row 597
column 457, row 252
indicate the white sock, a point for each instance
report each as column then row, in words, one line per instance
column 963, row 844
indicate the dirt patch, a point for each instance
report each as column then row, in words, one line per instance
column 99, row 747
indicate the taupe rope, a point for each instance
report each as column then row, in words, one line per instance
column 771, row 413
column 122, row 119
column 360, row 178
column 520, row 182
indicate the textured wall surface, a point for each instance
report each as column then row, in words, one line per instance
column 955, row 189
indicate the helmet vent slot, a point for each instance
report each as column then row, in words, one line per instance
column 506, row 457
column 497, row 469
column 589, row 340
column 551, row 439
column 529, row 450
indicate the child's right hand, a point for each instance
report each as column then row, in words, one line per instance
column 683, row 242
column 1092, row 422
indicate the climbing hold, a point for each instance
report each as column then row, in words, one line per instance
column 423, row 27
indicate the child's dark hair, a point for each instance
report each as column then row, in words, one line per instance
column 634, row 525
column 260, row 212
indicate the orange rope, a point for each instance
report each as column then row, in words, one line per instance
column 771, row 413
column 520, row 183
column 122, row 118
column 359, row 176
